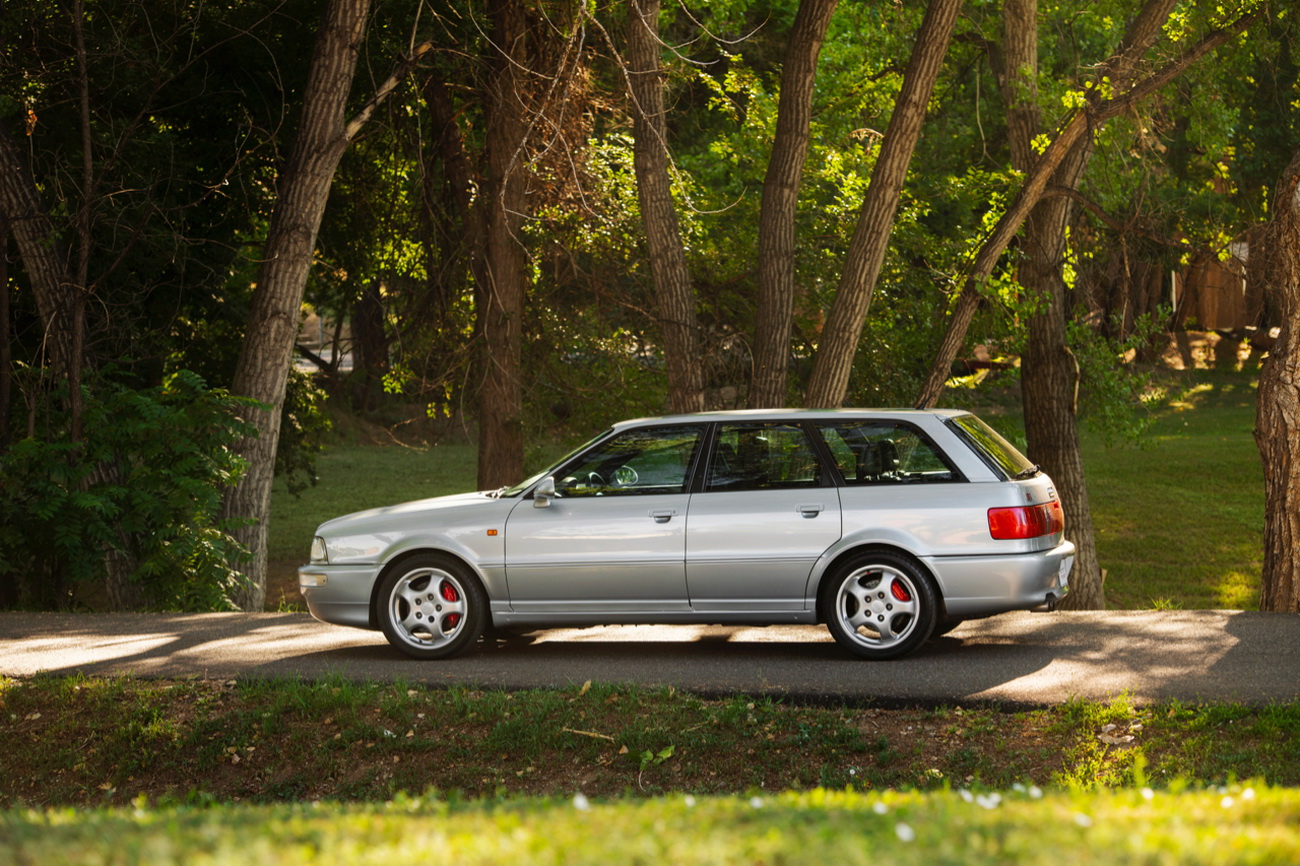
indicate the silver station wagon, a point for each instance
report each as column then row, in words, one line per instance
column 888, row 526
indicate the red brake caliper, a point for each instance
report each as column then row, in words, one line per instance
column 448, row 592
column 899, row 591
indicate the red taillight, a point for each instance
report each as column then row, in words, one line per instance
column 1026, row 521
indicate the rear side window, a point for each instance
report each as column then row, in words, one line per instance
column 884, row 452
column 1000, row 455
column 762, row 456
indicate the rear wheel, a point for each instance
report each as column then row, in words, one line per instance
column 879, row 605
column 431, row 607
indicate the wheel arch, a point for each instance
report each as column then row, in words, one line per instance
column 833, row 564
column 407, row 555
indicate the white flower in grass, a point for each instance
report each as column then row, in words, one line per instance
column 1148, row 794
column 1035, row 792
column 879, row 808
column 689, row 800
column 966, row 795
column 1248, row 794
column 581, row 803
column 989, row 801
column 756, row 802
column 905, row 833
column 1082, row 820
column 1227, row 802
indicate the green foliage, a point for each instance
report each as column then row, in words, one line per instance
column 1115, row 394
column 138, row 497
column 303, row 425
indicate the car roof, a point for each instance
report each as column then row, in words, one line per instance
column 792, row 415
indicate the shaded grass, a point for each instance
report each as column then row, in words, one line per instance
column 73, row 741
column 1180, row 520
column 355, row 477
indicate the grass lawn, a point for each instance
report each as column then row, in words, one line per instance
column 1180, row 520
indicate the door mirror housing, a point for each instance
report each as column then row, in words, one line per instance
column 544, row 492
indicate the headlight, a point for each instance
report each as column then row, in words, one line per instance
column 318, row 553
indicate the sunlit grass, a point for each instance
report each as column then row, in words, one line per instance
column 1242, row 824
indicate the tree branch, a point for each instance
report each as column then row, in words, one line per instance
column 405, row 65
column 1111, row 220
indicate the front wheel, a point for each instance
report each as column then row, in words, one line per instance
column 879, row 605
column 431, row 607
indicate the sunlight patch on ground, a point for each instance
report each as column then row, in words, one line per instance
column 1189, row 400
column 1237, row 591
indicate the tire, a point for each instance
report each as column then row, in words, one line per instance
column 879, row 605
column 431, row 607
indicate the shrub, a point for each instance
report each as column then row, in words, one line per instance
column 129, row 515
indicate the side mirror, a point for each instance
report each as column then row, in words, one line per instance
column 544, row 492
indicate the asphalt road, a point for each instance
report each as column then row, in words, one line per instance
column 1015, row 659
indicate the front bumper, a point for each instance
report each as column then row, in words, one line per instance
column 338, row 594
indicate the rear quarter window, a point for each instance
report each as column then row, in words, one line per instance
column 884, row 452
column 1000, row 455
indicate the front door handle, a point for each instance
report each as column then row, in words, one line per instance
column 809, row 510
column 664, row 515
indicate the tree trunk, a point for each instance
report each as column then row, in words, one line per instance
column 839, row 340
column 1049, row 376
column 1049, row 385
column 776, row 219
column 1277, row 424
column 264, row 359
column 44, row 258
column 673, row 290
column 6, row 348
column 500, row 269
column 369, row 346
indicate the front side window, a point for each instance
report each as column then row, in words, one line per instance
column 647, row 460
column 884, row 452
column 762, row 457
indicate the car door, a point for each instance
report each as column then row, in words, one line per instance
column 613, row 538
column 765, row 512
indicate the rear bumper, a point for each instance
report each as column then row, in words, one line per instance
column 975, row 586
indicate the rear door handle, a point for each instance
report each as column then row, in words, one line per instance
column 664, row 516
column 809, row 510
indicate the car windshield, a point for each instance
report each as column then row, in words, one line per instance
column 1000, row 454
column 533, row 479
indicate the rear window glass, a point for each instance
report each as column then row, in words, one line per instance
column 1001, row 455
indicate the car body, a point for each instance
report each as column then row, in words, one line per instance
column 888, row 526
